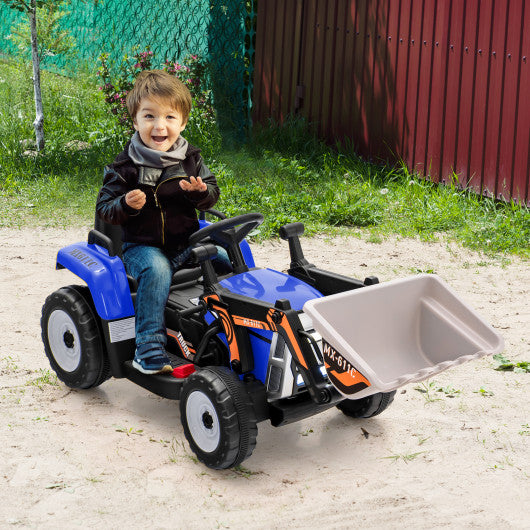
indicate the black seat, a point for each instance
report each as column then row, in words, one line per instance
column 113, row 232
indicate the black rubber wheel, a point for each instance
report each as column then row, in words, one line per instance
column 368, row 406
column 72, row 338
column 218, row 417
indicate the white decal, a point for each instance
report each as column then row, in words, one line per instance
column 120, row 330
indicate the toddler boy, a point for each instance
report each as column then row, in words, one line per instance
column 153, row 189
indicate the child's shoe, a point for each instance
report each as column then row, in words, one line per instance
column 150, row 359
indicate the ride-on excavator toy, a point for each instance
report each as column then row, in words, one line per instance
column 257, row 344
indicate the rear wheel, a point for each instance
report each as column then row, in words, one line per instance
column 218, row 417
column 368, row 406
column 72, row 338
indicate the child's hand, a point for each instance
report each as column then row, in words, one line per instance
column 135, row 199
column 195, row 184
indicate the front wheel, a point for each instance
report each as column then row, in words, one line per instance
column 218, row 417
column 368, row 406
column 72, row 338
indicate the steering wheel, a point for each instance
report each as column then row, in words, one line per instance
column 228, row 232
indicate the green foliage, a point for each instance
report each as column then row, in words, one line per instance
column 46, row 377
column 23, row 5
column 284, row 172
column 484, row 392
column 58, row 186
column 505, row 365
column 53, row 40
column 498, row 227
column 287, row 173
column 115, row 87
column 408, row 457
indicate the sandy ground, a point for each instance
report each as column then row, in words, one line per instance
column 116, row 456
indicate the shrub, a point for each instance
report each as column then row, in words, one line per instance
column 193, row 71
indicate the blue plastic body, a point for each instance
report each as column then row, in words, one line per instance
column 108, row 284
column 268, row 285
column 260, row 341
column 105, row 277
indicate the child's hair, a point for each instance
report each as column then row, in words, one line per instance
column 158, row 84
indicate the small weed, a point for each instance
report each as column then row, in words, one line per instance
column 375, row 238
column 307, row 432
column 406, row 458
column 449, row 391
column 130, row 431
column 164, row 443
column 213, row 493
column 503, row 364
column 415, row 270
column 46, row 378
column 245, row 472
column 57, row 486
column 483, row 392
column 525, row 430
column 41, row 418
column 502, row 464
column 179, row 450
column 10, row 364
column 427, row 388
column 422, row 440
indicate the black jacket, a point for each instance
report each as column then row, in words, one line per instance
column 169, row 216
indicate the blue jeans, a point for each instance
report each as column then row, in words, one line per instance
column 153, row 269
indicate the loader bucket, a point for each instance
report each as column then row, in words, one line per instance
column 384, row 336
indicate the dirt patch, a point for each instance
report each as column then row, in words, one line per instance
column 453, row 455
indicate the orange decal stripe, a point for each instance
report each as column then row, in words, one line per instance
column 227, row 325
column 284, row 324
column 348, row 379
column 230, row 334
column 249, row 322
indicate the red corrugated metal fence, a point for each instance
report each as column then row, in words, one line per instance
column 443, row 85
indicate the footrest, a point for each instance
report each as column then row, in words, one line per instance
column 163, row 385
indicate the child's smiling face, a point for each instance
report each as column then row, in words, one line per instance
column 158, row 124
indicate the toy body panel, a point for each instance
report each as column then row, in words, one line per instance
column 104, row 275
column 269, row 286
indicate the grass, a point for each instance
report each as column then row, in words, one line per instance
column 45, row 378
column 431, row 391
column 409, row 457
column 283, row 172
column 244, row 472
column 59, row 186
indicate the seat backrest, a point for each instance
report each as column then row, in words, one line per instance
column 113, row 232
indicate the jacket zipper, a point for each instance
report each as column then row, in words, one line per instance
column 162, row 217
column 160, row 208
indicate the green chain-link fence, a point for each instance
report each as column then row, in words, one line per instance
column 222, row 31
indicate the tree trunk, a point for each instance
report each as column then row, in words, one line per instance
column 38, row 124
